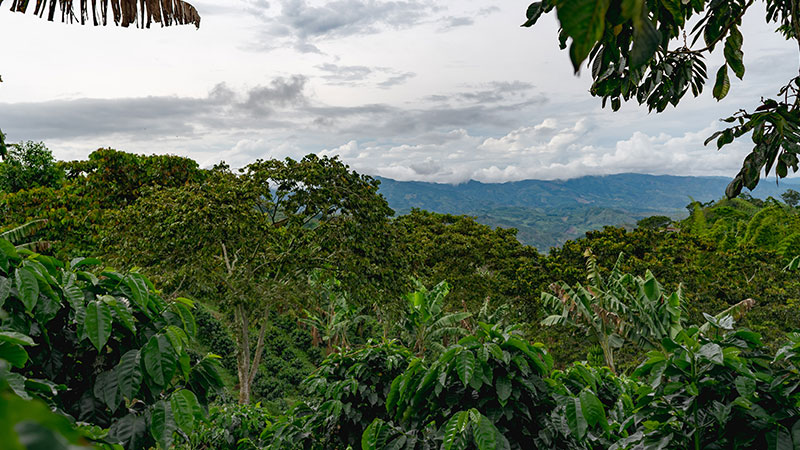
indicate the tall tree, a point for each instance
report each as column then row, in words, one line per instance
column 642, row 50
column 246, row 240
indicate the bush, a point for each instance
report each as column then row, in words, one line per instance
column 105, row 349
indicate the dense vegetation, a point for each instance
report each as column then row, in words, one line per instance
column 283, row 305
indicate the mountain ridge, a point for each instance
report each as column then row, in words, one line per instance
column 548, row 212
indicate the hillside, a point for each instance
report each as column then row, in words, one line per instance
column 548, row 213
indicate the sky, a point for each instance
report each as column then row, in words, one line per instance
column 422, row 90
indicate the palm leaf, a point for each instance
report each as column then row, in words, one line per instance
column 18, row 234
column 140, row 13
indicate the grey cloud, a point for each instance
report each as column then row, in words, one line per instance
column 359, row 75
column 396, row 79
column 451, row 22
column 494, row 92
column 280, row 92
column 344, row 74
column 304, row 25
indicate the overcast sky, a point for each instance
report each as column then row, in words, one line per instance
column 408, row 89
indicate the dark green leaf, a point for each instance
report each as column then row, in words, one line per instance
column 97, row 324
column 28, row 287
column 646, row 40
column 129, row 374
column 162, row 424
column 159, row 359
column 723, row 84
column 584, row 22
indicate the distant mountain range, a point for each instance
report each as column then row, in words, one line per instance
column 548, row 213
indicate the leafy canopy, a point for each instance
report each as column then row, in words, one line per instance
column 654, row 52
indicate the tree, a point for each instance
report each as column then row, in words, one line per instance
column 791, row 197
column 28, row 165
column 640, row 49
column 247, row 241
column 654, row 222
column 140, row 13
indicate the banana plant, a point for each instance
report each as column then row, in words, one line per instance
column 18, row 236
column 427, row 326
column 616, row 308
column 333, row 319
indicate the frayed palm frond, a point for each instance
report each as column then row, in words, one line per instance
column 140, row 13
column 18, row 234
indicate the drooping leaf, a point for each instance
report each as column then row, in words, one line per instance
column 485, row 434
column 584, row 22
column 129, row 374
column 129, row 431
column 185, row 408
column 592, row 408
column 28, row 287
column 465, row 366
column 646, row 39
column 159, row 359
column 97, row 324
column 575, row 418
column 13, row 353
column 106, row 389
column 723, row 83
column 162, row 424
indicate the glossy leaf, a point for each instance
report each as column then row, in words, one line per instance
column 97, row 324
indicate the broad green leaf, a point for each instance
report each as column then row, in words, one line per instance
column 97, row 324
column 575, row 418
column 584, row 22
column 13, row 353
column 485, row 434
column 746, row 386
column 723, row 83
column 106, row 389
column 185, row 408
column 74, row 296
column 712, row 352
column 159, row 359
column 162, row 424
column 646, row 39
column 465, row 366
column 80, row 262
column 733, row 52
column 129, row 374
column 375, row 436
column 130, row 431
column 120, row 312
column 503, row 387
column 139, row 290
column 15, row 338
column 779, row 439
column 592, row 408
column 28, row 287
column 454, row 428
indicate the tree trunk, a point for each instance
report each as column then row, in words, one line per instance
column 608, row 353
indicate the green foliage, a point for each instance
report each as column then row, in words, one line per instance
column 638, row 50
column 106, row 349
column 426, row 325
column 253, row 238
column 488, row 390
column 791, row 197
column 615, row 309
column 229, row 426
column 343, row 397
column 654, row 222
column 480, row 262
column 28, row 165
